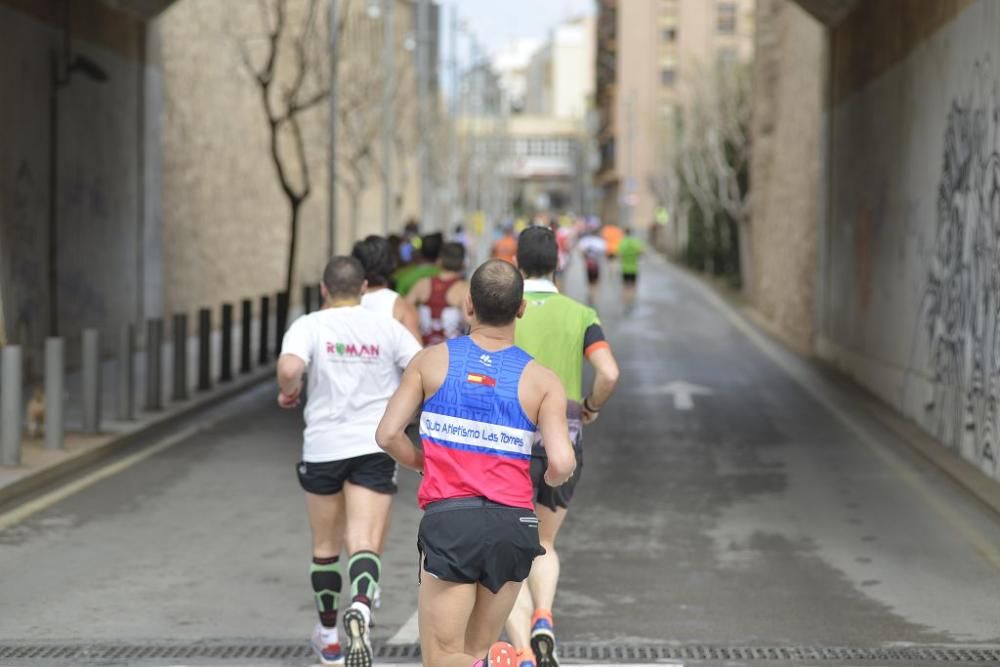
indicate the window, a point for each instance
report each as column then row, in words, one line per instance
column 667, row 76
column 726, row 18
column 669, row 35
column 727, row 55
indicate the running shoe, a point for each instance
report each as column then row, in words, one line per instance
column 543, row 640
column 501, row 654
column 329, row 654
column 359, row 648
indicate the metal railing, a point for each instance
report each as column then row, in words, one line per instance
column 89, row 398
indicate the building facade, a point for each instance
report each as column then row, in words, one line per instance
column 650, row 56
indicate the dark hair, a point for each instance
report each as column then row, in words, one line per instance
column 497, row 290
column 343, row 277
column 430, row 246
column 537, row 252
column 377, row 258
column 452, row 256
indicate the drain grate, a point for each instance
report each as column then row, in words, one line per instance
column 571, row 652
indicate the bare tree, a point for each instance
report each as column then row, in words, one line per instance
column 287, row 91
column 706, row 158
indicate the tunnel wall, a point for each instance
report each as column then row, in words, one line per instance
column 102, row 269
column 909, row 284
column 225, row 218
column 790, row 49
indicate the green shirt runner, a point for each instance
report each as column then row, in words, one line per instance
column 629, row 250
column 408, row 276
column 559, row 333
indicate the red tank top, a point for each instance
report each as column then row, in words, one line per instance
column 434, row 330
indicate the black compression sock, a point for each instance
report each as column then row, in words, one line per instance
column 365, row 571
column 326, row 583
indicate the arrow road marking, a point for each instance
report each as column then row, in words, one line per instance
column 683, row 393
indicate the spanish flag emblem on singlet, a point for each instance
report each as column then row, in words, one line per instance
column 477, row 378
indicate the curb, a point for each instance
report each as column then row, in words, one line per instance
column 157, row 427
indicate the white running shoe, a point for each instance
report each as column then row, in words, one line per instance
column 327, row 646
column 357, row 623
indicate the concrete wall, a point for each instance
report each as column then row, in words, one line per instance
column 101, row 178
column 225, row 218
column 910, row 290
column 789, row 79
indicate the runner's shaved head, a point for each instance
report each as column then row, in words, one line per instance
column 343, row 277
column 497, row 290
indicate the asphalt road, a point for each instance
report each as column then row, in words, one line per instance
column 754, row 515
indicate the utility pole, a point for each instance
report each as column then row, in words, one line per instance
column 389, row 84
column 629, row 200
column 331, row 248
column 423, row 112
column 453, row 188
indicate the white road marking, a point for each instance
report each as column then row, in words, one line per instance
column 49, row 499
column 683, row 393
column 408, row 633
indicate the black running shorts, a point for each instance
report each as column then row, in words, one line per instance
column 559, row 496
column 630, row 278
column 475, row 541
column 372, row 471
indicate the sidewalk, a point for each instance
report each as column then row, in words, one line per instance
column 40, row 466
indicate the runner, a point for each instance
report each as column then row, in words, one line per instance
column 630, row 248
column 353, row 357
column 559, row 333
column 506, row 246
column 484, row 398
column 425, row 265
column 593, row 248
column 375, row 255
column 440, row 298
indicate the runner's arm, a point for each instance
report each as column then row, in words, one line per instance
column 290, row 371
column 390, row 434
column 598, row 353
column 296, row 354
column 555, row 432
column 407, row 315
column 419, row 293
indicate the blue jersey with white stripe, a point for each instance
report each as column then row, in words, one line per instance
column 476, row 437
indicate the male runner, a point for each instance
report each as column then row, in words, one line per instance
column 559, row 333
column 375, row 255
column 592, row 247
column 629, row 249
column 441, row 298
column 505, row 247
column 424, row 266
column 484, row 398
column 353, row 357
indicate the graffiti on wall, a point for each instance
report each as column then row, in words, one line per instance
column 959, row 330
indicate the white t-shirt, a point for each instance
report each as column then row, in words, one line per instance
column 381, row 301
column 353, row 357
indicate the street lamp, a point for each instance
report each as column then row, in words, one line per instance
column 63, row 69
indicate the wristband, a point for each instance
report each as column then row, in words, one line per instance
column 586, row 406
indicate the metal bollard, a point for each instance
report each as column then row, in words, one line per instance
column 281, row 322
column 126, row 373
column 264, row 353
column 180, row 392
column 226, row 370
column 91, row 381
column 154, row 364
column 55, row 375
column 204, row 349
column 11, row 406
column 246, row 362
